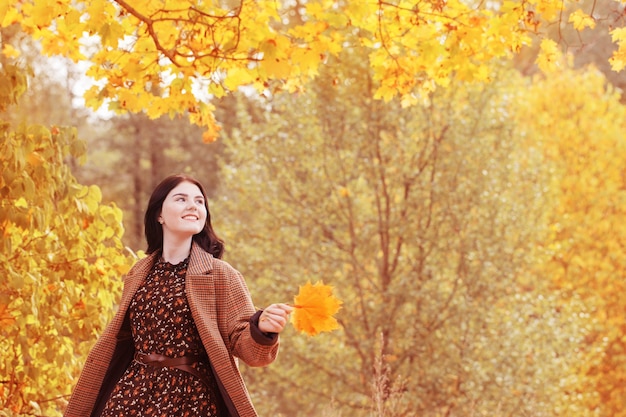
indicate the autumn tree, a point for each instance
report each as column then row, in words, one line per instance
column 426, row 219
column 192, row 50
column 61, row 259
column 128, row 154
column 576, row 120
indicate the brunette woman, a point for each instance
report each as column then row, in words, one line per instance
column 184, row 320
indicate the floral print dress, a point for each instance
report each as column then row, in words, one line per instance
column 161, row 323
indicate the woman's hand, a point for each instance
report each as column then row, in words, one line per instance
column 274, row 318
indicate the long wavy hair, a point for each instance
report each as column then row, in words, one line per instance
column 207, row 238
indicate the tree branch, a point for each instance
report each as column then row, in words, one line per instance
column 150, row 27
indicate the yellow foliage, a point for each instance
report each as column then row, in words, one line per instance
column 578, row 121
column 61, row 259
column 484, row 178
column 414, row 47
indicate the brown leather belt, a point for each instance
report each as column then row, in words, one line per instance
column 184, row 363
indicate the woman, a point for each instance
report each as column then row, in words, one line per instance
column 184, row 318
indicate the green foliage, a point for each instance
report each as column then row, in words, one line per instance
column 60, row 258
column 427, row 221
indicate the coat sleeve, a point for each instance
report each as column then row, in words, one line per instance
column 258, row 335
column 236, row 314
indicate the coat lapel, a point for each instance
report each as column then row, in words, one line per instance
column 134, row 280
column 202, row 290
column 200, row 287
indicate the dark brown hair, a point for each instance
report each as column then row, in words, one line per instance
column 207, row 239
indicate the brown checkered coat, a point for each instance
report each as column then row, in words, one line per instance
column 221, row 307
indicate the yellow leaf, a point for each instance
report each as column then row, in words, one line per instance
column 582, row 20
column 549, row 56
column 9, row 51
column 315, row 306
column 618, row 60
column 123, row 269
column 5, row 6
column 211, row 134
column 549, row 9
column 21, row 203
column 41, row 14
column 618, row 35
column 385, row 93
column 307, row 59
column 217, row 90
column 111, row 33
column 133, row 69
column 10, row 16
column 237, row 76
column 99, row 12
column 408, row 100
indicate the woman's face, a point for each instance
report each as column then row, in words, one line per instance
column 183, row 213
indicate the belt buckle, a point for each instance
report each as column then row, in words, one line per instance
column 138, row 357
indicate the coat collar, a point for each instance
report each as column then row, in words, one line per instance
column 143, row 266
column 200, row 261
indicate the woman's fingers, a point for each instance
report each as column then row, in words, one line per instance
column 274, row 318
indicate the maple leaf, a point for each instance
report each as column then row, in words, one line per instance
column 315, row 306
column 549, row 56
column 582, row 20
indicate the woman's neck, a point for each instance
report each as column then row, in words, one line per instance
column 176, row 253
